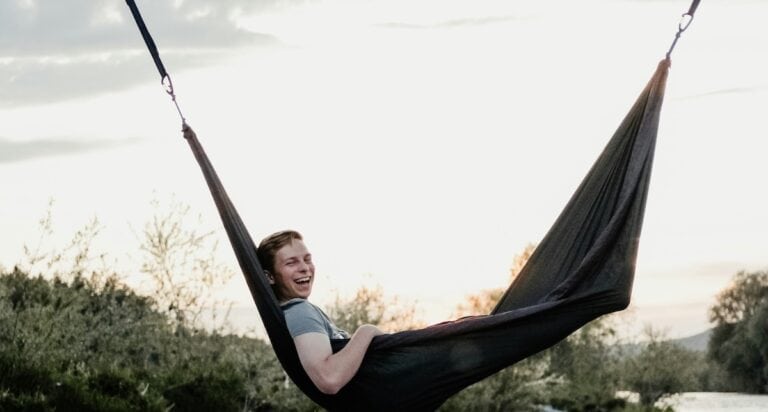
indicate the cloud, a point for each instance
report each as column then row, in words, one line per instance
column 42, row 27
column 14, row 151
column 717, row 270
column 43, row 80
column 735, row 90
column 451, row 23
column 52, row 50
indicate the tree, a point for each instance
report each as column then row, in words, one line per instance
column 739, row 343
column 741, row 300
column 586, row 364
column 76, row 259
column 483, row 303
column 181, row 261
column 661, row 368
column 370, row 306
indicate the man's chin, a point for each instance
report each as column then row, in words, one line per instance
column 304, row 294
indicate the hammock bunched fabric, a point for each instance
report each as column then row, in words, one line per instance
column 581, row 270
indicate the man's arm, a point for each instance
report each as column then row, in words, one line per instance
column 331, row 371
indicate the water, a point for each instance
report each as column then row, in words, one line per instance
column 717, row 402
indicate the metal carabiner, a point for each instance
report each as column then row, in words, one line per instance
column 167, row 85
column 685, row 21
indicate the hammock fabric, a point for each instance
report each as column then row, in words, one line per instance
column 582, row 269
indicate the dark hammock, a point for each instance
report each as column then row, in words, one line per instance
column 581, row 270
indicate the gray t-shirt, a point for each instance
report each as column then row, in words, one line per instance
column 303, row 317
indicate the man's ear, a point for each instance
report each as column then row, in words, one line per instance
column 270, row 278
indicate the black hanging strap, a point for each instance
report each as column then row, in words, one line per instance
column 694, row 5
column 165, row 78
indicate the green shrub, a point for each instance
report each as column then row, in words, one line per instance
column 219, row 390
column 76, row 346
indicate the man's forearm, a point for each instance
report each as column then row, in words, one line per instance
column 342, row 366
column 339, row 368
column 331, row 371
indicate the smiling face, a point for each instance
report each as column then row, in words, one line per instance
column 293, row 272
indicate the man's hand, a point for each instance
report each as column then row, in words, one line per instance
column 369, row 329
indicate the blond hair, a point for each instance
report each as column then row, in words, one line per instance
column 271, row 244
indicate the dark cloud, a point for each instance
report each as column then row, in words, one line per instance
column 13, row 151
column 452, row 23
column 53, row 50
column 44, row 27
column 30, row 81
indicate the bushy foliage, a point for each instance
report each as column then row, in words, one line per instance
column 586, row 364
column 63, row 323
column 85, row 347
column 522, row 387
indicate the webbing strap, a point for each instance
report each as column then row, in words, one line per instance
column 165, row 78
column 693, row 7
column 147, row 38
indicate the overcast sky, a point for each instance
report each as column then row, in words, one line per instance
column 418, row 145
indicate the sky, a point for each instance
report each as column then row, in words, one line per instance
column 417, row 145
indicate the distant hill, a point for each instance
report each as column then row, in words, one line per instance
column 696, row 342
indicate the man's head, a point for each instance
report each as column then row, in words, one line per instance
column 288, row 264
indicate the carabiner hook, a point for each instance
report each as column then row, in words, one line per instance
column 685, row 21
column 682, row 26
column 167, row 85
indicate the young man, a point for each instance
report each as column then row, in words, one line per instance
column 289, row 268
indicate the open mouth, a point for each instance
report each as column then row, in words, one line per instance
column 303, row 281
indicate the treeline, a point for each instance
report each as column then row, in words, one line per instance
column 71, row 342
column 78, row 345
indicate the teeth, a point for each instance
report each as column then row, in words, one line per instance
column 302, row 280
